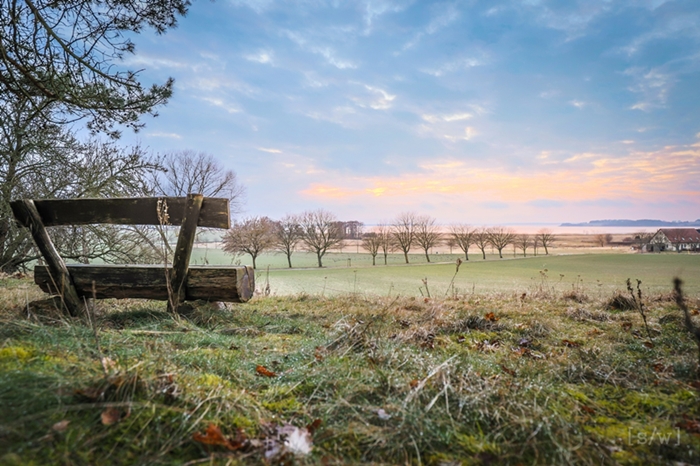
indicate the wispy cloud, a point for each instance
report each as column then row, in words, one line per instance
column 653, row 86
column 436, row 24
column 262, row 56
column 269, row 150
column 217, row 102
column 164, row 135
column 455, row 65
column 671, row 173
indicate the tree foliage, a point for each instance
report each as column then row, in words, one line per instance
column 66, row 58
column 40, row 160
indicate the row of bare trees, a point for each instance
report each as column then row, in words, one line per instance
column 318, row 231
column 410, row 230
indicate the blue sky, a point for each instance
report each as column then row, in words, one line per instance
column 481, row 112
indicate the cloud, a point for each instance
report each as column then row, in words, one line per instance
column 436, row 24
column 262, row 56
column 269, row 150
column 449, row 126
column 652, row 85
column 376, row 98
column 460, row 64
column 578, row 104
column 669, row 174
column 217, row 102
column 326, row 52
column 164, row 135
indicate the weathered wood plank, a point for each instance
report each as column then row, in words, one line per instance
column 25, row 211
column 185, row 241
column 211, row 283
column 128, row 211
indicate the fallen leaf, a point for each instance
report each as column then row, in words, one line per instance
column 510, row 372
column 587, row 409
column 315, row 424
column 570, row 344
column 414, row 383
column 626, row 325
column 461, row 339
column 60, row 426
column 648, row 344
column 524, row 342
column 111, row 416
column 214, row 436
column 318, row 353
column 594, row 332
column 491, row 317
column 695, row 312
column 297, row 441
column 689, row 425
column 262, row 370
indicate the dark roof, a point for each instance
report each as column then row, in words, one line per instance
column 681, row 235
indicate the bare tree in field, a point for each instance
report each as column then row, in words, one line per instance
column 385, row 240
column 500, row 237
column 463, row 236
column 642, row 238
column 546, row 238
column 319, row 232
column 481, row 240
column 187, row 171
column 602, row 239
column 403, row 232
column 371, row 242
column 523, row 242
column 252, row 236
column 427, row 234
column 287, row 234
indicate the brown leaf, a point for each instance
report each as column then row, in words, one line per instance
column 626, row 325
column 111, row 416
column 587, row 409
column 414, row 383
column 314, row 426
column 60, row 426
column 689, row 425
column 570, row 344
column 510, row 372
column 213, row 436
column 318, row 353
column 262, row 370
column 491, row 317
column 648, row 344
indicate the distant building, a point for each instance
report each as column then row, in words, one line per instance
column 349, row 230
column 675, row 239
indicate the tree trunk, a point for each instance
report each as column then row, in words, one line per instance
column 289, row 260
column 385, row 255
column 253, row 261
column 374, row 258
column 483, row 253
column 427, row 256
column 466, row 256
column 320, row 264
column 546, row 252
column 405, row 255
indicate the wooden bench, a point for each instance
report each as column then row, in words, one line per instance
column 176, row 284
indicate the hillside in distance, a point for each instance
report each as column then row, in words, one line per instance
column 633, row 223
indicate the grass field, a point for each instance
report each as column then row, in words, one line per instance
column 484, row 379
column 597, row 274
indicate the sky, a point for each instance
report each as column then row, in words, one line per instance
column 477, row 112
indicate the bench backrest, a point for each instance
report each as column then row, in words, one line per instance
column 214, row 212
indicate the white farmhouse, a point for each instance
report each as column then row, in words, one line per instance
column 675, row 239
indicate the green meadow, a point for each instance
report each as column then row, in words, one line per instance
column 343, row 273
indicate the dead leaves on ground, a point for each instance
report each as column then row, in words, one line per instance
column 264, row 371
column 275, row 442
